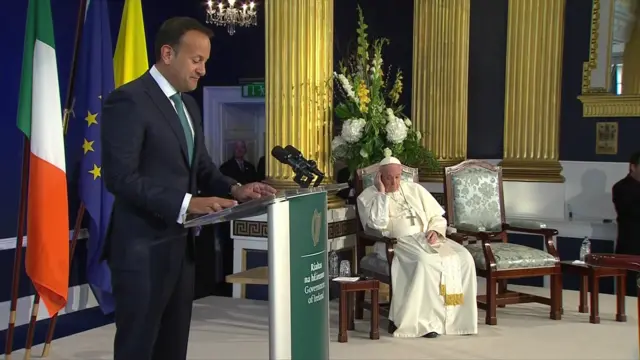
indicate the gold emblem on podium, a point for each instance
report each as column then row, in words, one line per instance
column 316, row 223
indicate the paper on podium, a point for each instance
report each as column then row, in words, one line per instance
column 258, row 206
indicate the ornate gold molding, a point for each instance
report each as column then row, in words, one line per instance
column 440, row 79
column 532, row 171
column 592, row 63
column 610, row 105
column 631, row 73
column 535, row 42
column 599, row 101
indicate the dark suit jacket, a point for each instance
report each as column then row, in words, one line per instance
column 262, row 174
column 247, row 175
column 144, row 165
column 626, row 199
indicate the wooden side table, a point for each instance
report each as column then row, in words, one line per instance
column 347, row 307
column 590, row 277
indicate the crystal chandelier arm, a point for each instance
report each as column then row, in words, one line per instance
column 230, row 15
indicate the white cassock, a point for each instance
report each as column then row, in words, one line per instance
column 434, row 287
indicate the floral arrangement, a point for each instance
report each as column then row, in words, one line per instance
column 373, row 125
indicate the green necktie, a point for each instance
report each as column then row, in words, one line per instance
column 177, row 100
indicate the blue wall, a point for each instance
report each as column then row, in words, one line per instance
column 487, row 78
column 578, row 134
column 487, row 61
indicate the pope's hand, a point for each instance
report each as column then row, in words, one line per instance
column 432, row 237
column 378, row 183
column 251, row 191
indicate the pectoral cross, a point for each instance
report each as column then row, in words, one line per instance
column 412, row 217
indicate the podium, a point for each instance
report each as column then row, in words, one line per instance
column 298, row 277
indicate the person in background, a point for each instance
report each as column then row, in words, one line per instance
column 626, row 200
column 238, row 168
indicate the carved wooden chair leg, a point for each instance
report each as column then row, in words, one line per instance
column 491, row 318
column 556, row 297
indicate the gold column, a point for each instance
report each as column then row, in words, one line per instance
column 440, row 79
column 630, row 63
column 298, row 98
column 535, row 37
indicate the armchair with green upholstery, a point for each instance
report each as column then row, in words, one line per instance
column 371, row 265
column 475, row 207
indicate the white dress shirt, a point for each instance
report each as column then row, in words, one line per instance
column 169, row 91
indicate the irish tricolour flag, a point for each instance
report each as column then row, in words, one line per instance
column 40, row 119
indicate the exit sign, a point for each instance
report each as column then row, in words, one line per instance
column 255, row 90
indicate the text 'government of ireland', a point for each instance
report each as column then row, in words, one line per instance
column 314, row 283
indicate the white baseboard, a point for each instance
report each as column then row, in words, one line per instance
column 80, row 298
column 10, row 243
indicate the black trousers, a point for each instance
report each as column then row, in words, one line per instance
column 632, row 287
column 624, row 246
column 153, row 304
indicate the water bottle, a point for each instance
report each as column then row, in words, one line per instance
column 585, row 249
column 345, row 268
column 334, row 265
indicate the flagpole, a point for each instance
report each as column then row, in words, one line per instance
column 74, row 242
column 17, row 262
column 68, row 110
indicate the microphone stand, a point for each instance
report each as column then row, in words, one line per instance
column 298, row 179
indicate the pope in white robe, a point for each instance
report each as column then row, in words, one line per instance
column 433, row 278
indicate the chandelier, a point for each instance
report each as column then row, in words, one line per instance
column 230, row 15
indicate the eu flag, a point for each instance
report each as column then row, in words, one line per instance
column 94, row 81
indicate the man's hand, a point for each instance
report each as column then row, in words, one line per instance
column 251, row 191
column 432, row 237
column 378, row 183
column 207, row 205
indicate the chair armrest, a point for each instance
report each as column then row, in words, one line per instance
column 458, row 237
column 530, row 227
column 474, row 231
column 467, row 228
column 374, row 238
column 453, row 234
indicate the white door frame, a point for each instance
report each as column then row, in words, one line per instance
column 214, row 97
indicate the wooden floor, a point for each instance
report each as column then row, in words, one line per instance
column 225, row 328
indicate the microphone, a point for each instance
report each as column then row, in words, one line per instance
column 311, row 165
column 286, row 158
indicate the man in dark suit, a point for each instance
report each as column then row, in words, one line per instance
column 154, row 162
column 626, row 199
column 239, row 168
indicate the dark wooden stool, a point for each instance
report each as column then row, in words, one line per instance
column 347, row 307
column 590, row 278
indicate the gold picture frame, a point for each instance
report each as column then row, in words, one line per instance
column 606, row 138
column 596, row 100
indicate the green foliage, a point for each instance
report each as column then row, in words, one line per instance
column 364, row 96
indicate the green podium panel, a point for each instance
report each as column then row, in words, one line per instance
column 299, row 282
